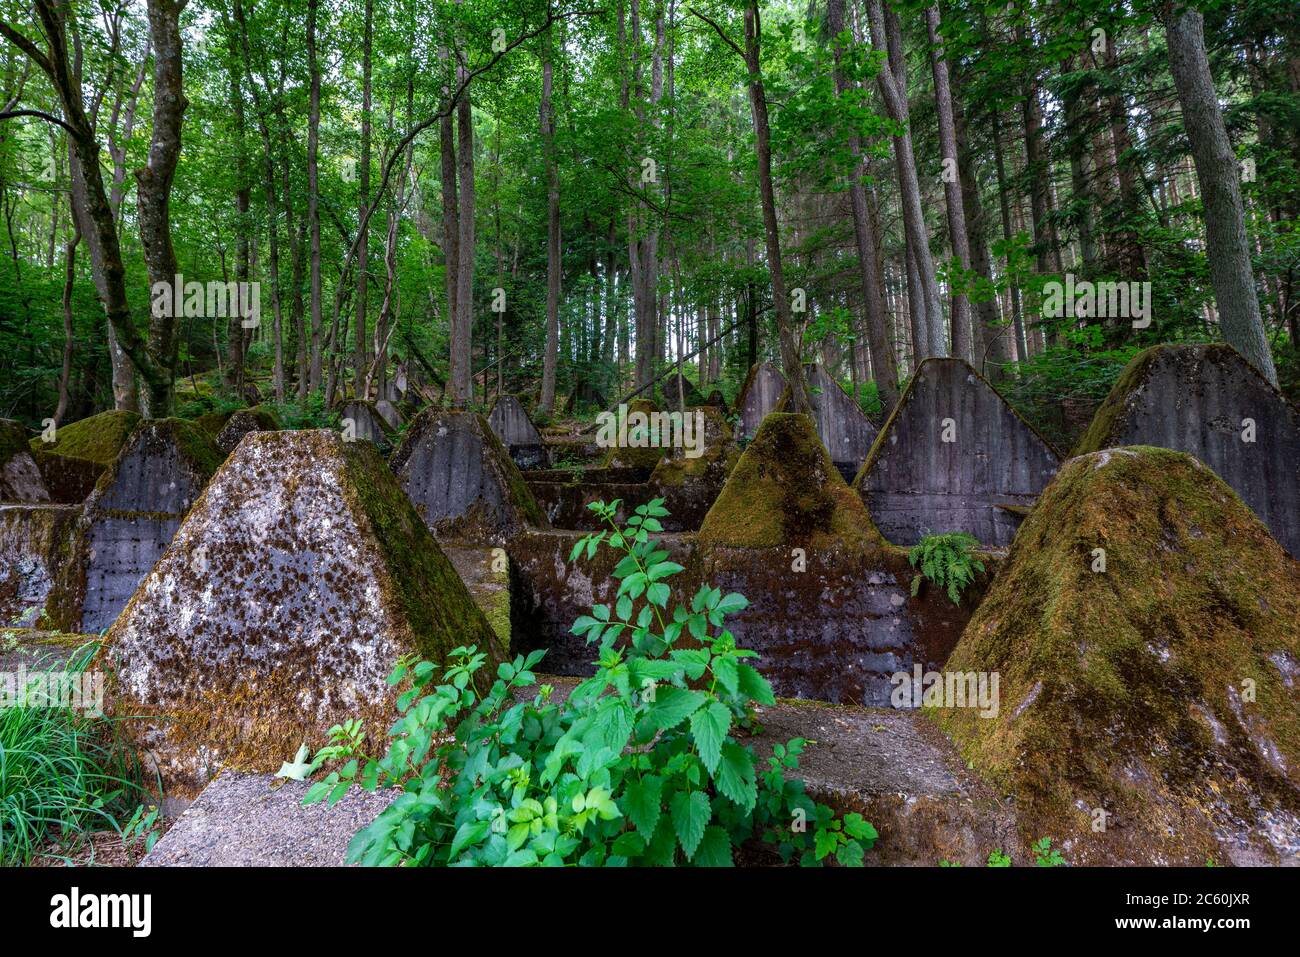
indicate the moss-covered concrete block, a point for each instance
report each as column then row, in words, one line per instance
column 953, row 457
column 1145, row 630
column 239, row 424
column 30, row 541
column 98, row 438
column 758, row 396
column 128, row 520
column 1207, row 401
column 20, row 478
column 842, row 426
column 461, row 479
column 517, row 433
column 298, row 579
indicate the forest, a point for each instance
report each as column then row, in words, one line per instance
column 650, row 433
column 565, row 201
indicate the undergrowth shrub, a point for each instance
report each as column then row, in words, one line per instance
column 639, row 765
column 948, row 561
column 64, row 773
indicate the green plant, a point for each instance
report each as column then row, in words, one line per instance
column 142, row 831
column 63, row 774
column 639, row 765
column 948, row 561
column 998, row 859
column 1045, row 855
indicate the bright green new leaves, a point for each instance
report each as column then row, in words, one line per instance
column 637, row 766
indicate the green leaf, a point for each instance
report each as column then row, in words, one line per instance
column 629, row 844
column 468, row 834
column 691, row 813
column 714, row 849
column 754, row 685
column 709, row 727
column 642, row 804
column 850, row 854
column 724, row 667
column 672, row 706
column 735, row 777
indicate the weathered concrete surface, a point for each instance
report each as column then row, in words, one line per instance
column 1163, row 690
column 953, row 457
column 69, row 479
column 486, row 573
column 24, row 648
column 295, row 583
column 830, row 611
column 517, row 433
column 241, row 423
column 128, row 520
column 550, row 592
column 900, row 772
column 462, row 481
column 390, row 413
column 30, row 536
column 843, row 427
column 758, row 396
column 1202, row 399
column 361, row 420
column 20, row 479
column 256, row 820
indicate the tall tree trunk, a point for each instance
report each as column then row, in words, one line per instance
column 153, row 201
column 236, row 336
column 313, row 194
column 892, row 81
column 884, row 362
column 450, row 198
column 360, row 358
column 552, row 243
column 962, row 332
column 1227, row 246
column 462, row 343
column 790, row 358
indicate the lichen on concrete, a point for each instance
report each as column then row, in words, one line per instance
column 1161, row 691
column 298, row 579
column 20, row 478
column 239, row 424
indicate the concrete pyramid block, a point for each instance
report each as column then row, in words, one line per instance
column 517, row 433
column 72, row 463
column 843, row 427
column 636, row 435
column 758, row 396
column 128, row 520
column 1207, row 401
column 298, row 579
column 953, row 457
column 20, row 478
column 1144, row 631
column 241, row 423
column 361, row 420
column 461, row 479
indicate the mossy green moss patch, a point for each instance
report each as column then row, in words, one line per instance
column 1161, row 687
column 98, row 438
column 785, row 490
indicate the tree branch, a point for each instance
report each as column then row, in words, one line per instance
column 718, row 30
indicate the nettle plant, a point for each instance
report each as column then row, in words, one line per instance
column 948, row 561
column 639, row 765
